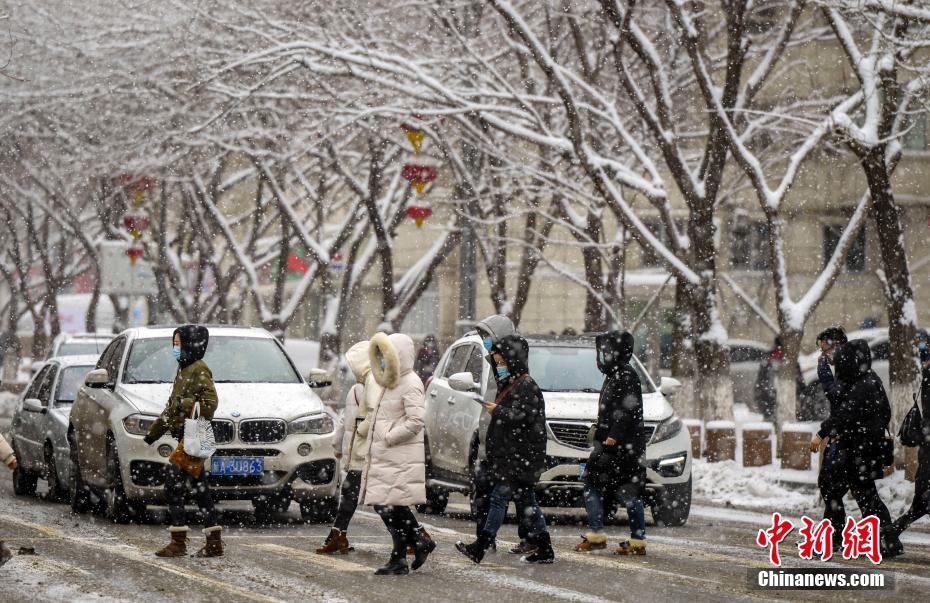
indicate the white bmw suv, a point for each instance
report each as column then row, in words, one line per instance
column 274, row 434
column 566, row 371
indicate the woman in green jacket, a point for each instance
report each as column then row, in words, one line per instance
column 192, row 385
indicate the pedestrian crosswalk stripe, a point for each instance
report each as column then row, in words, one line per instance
column 326, row 561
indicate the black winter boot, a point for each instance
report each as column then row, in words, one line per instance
column 422, row 547
column 543, row 552
column 397, row 564
column 476, row 550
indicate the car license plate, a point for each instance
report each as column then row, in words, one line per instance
column 237, row 465
column 581, row 467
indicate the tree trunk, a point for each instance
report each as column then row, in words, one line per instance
column 904, row 374
column 786, row 379
column 683, row 352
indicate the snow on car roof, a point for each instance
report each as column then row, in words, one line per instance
column 215, row 330
column 82, row 360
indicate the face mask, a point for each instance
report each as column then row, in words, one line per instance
column 600, row 357
column 381, row 362
column 922, row 345
column 502, row 372
column 176, row 352
column 488, row 342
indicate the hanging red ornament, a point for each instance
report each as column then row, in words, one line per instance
column 419, row 213
column 134, row 254
column 419, row 175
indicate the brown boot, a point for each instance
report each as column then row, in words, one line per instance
column 178, row 545
column 336, row 542
column 631, row 547
column 592, row 541
column 411, row 548
column 214, row 545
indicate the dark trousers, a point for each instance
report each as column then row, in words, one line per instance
column 921, row 504
column 528, row 511
column 402, row 524
column 840, row 474
column 177, row 486
column 484, row 486
column 348, row 500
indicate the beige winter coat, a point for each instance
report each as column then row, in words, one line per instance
column 349, row 441
column 6, row 453
column 395, row 473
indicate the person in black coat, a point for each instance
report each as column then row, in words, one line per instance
column 857, row 423
column 920, row 506
column 615, row 468
column 515, row 446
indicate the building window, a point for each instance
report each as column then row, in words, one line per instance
column 749, row 247
column 423, row 317
column 855, row 259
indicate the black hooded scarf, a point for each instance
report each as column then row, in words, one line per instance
column 620, row 414
column 516, row 438
column 862, row 411
column 194, row 340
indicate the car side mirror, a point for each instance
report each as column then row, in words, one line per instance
column 463, row 382
column 97, row 378
column 669, row 387
column 319, row 378
column 33, row 405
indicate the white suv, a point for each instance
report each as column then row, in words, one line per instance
column 274, row 435
column 566, row 371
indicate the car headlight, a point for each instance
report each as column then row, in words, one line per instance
column 671, row 466
column 667, row 429
column 138, row 424
column 317, row 424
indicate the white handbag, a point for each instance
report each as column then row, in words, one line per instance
column 199, row 440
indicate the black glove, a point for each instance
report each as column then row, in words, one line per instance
column 149, row 439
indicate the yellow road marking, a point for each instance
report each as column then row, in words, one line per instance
column 327, row 561
column 138, row 557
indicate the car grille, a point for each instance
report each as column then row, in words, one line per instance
column 267, row 431
column 222, row 431
column 246, row 452
column 575, row 435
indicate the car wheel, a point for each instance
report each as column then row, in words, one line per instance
column 57, row 491
column 24, row 480
column 83, row 498
column 319, row 510
column 436, row 501
column 119, row 508
column 672, row 506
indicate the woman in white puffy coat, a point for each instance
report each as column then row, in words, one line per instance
column 348, row 442
column 395, row 472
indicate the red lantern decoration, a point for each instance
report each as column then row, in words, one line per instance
column 134, row 254
column 419, row 213
column 136, row 221
column 419, row 175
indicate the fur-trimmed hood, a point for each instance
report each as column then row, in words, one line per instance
column 358, row 361
column 398, row 353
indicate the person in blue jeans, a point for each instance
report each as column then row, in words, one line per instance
column 615, row 471
column 515, row 444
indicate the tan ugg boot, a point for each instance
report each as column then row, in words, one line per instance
column 631, row 547
column 592, row 541
column 214, row 545
column 336, row 542
column 178, row 545
column 412, row 549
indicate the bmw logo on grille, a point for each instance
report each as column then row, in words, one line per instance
column 236, row 413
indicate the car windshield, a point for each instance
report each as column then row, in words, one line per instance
column 231, row 359
column 572, row 369
column 69, row 382
column 79, row 348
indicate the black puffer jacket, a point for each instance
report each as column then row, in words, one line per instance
column 620, row 414
column 862, row 412
column 516, row 439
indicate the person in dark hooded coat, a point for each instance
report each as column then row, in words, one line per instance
column 615, row 468
column 193, row 384
column 515, row 444
column 858, row 420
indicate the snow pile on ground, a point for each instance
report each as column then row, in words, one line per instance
column 728, row 484
column 759, row 489
column 8, row 403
